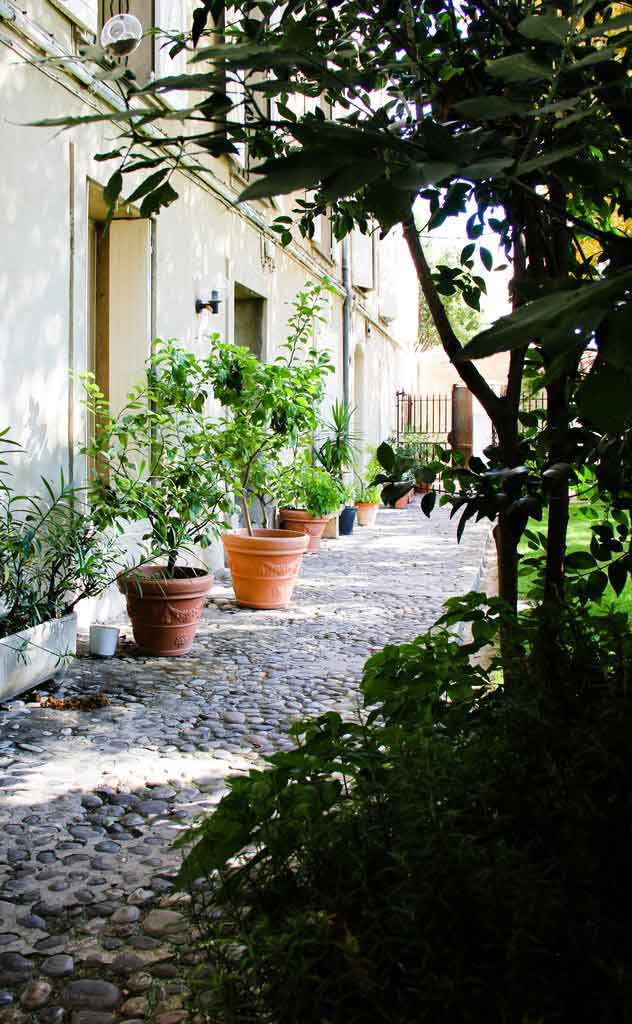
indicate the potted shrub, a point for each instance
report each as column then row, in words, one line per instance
column 308, row 498
column 396, row 476
column 270, row 407
column 336, row 450
column 51, row 557
column 367, row 496
column 155, row 463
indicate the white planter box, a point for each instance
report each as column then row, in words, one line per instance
column 34, row 655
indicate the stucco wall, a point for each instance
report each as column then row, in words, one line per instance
column 200, row 242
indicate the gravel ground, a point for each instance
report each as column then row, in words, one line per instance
column 91, row 800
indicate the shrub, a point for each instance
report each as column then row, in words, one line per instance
column 460, row 855
column 51, row 553
column 312, row 489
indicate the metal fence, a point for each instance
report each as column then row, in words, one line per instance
column 422, row 415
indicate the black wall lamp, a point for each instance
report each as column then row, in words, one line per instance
column 212, row 303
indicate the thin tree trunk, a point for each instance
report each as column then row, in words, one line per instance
column 247, row 520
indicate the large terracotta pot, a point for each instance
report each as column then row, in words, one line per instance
column 367, row 513
column 264, row 567
column 300, row 520
column 165, row 612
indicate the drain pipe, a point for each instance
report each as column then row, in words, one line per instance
column 346, row 322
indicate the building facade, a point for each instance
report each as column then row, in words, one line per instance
column 75, row 297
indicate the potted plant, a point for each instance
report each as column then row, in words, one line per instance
column 51, row 557
column 396, row 476
column 155, row 462
column 270, row 407
column 367, row 496
column 309, row 496
column 347, row 515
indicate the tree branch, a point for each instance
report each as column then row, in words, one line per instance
column 468, row 373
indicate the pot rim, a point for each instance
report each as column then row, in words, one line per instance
column 302, row 513
column 139, row 582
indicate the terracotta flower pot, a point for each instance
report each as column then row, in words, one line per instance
column 264, row 567
column 165, row 612
column 300, row 520
column 367, row 513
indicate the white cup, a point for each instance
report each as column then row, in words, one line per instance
column 103, row 640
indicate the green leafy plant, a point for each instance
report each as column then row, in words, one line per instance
column 396, row 473
column 313, row 489
column 156, row 460
column 441, row 859
column 336, row 451
column 272, row 407
column 52, row 552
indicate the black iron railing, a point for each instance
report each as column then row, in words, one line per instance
column 423, row 415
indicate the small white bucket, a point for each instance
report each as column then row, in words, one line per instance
column 103, row 641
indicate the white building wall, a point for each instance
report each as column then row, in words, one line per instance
column 199, row 241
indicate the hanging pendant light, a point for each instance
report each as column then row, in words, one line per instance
column 122, row 32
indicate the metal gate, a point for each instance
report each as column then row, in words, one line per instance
column 418, row 416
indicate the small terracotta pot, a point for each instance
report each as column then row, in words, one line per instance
column 300, row 520
column 165, row 612
column 264, row 567
column 367, row 513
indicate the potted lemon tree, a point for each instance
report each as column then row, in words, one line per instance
column 269, row 407
column 155, row 463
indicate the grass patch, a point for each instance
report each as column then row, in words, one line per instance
column 579, row 537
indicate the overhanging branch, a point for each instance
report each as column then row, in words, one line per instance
column 469, row 374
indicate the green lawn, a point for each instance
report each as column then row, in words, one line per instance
column 579, row 536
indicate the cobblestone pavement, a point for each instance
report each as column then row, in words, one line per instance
column 90, row 801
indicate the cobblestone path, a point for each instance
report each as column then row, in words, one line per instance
column 91, row 801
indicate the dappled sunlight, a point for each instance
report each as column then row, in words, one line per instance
column 92, row 800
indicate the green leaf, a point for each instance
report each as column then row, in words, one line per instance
column 385, row 456
column 614, row 24
column 490, row 168
column 420, row 175
column 490, row 108
column 518, row 67
column 297, row 171
column 428, row 502
column 529, row 322
column 604, row 398
column 617, row 574
column 112, row 155
column 148, row 185
column 579, row 560
column 546, row 159
column 112, row 190
column 486, row 258
column 165, row 195
column 596, row 583
column 544, row 28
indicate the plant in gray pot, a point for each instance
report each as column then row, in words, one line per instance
column 52, row 555
column 336, row 449
column 155, row 463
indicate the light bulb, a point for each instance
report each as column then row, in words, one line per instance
column 121, row 35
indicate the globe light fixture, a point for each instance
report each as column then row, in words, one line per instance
column 122, row 32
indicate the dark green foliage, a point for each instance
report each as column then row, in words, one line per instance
column 52, row 553
column 398, row 475
column 446, row 861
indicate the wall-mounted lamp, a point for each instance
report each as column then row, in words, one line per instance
column 122, row 33
column 212, row 303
